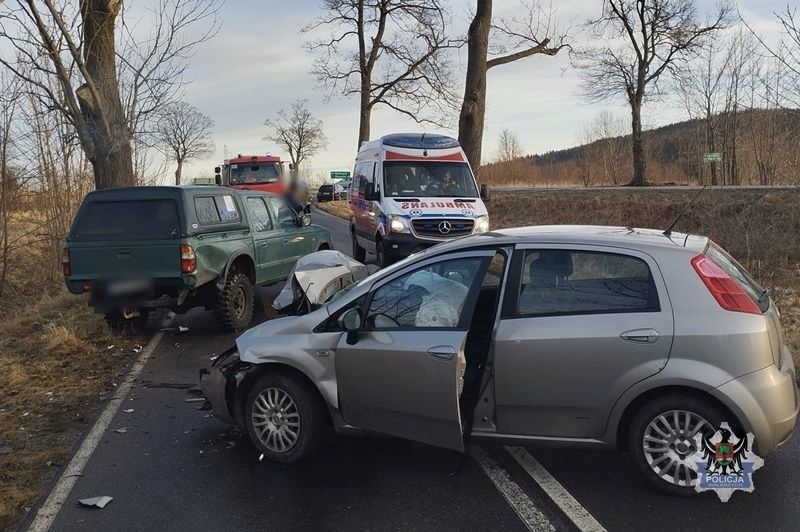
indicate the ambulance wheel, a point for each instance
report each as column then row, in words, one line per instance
column 359, row 253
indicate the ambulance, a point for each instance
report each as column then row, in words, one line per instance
column 411, row 191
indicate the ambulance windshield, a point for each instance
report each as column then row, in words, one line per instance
column 428, row 179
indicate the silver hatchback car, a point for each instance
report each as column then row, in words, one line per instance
column 573, row 335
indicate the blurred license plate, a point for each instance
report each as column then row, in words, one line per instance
column 128, row 286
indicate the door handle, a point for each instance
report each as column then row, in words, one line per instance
column 442, row 352
column 640, row 336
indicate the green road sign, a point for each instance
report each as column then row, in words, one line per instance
column 340, row 175
column 712, row 157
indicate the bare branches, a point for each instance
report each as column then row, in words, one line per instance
column 509, row 147
column 537, row 32
column 298, row 132
column 642, row 39
column 387, row 52
column 66, row 54
column 184, row 133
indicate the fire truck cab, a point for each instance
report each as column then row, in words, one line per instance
column 252, row 172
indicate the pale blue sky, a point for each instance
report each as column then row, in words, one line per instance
column 256, row 65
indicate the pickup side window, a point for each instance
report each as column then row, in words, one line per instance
column 206, row 210
column 226, row 207
column 261, row 219
column 283, row 212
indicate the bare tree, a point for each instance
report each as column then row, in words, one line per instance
column 513, row 40
column 642, row 40
column 58, row 48
column 386, row 52
column 509, row 147
column 609, row 152
column 184, row 133
column 298, row 132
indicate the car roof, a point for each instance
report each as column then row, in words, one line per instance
column 627, row 237
column 151, row 192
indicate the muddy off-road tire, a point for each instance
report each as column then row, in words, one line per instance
column 285, row 417
column 117, row 322
column 233, row 306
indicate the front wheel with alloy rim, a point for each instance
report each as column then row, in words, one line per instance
column 285, row 417
column 662, row 440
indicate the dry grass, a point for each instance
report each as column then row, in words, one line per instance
column 55, row 364
column 762, row 230
column 336, row 208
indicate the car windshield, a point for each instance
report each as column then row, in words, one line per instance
column 428, row 179
column 255, row 173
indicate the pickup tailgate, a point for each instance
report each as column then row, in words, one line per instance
column 126, row 239
column 154, row 259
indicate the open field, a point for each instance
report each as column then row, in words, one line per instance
column 57, row 364
column 760, row 228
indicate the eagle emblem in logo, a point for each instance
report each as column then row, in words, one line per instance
column 725, row 461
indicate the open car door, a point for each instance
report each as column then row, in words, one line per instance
column 401, row 373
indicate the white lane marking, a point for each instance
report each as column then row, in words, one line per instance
column 553, row 488
column 47, row 513
column 516, row 497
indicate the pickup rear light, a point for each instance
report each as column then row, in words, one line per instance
column 188, row 259
column 66, row 269
column 723, row 287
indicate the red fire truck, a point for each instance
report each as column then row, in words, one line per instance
column 252, row 172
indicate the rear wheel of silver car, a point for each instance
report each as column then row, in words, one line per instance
column 662, row 440
column 285, row 417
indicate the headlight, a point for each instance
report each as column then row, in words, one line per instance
column 398, row 224
column 481, row 225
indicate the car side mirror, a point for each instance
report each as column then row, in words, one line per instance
column 485, row 195
column 218, row 179
column 350, row 321
column 217, row 169
column 370, row 194
column 305, row 220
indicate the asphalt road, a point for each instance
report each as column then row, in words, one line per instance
column 177, row 468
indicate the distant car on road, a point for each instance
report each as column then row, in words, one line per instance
column 575, row 335
column 142, row 248
column 326, row 193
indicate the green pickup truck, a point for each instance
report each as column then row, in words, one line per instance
column 142, row 248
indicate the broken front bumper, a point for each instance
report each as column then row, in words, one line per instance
column 220, row 382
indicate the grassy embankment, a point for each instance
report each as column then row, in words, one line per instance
column 762, row 230
column 57, row 363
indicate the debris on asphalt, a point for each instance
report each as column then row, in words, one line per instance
column 128, row 410
column 5, row 449
column 137, row 348
column 260, row 458
column 121, row 430
column 195, row 399
column 99, row 502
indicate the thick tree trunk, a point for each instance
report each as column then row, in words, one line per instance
column 365, row 115
column 178, row 173
column 473, row 109
column 637, row 136
column 99, row 98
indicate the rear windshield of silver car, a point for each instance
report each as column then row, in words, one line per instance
column 737, row 272
column 151, row 219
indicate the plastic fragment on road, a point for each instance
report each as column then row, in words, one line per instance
column 195, row 399
column 128, row 410
column 260, row 458
column 99, row 502
column 121, row 430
